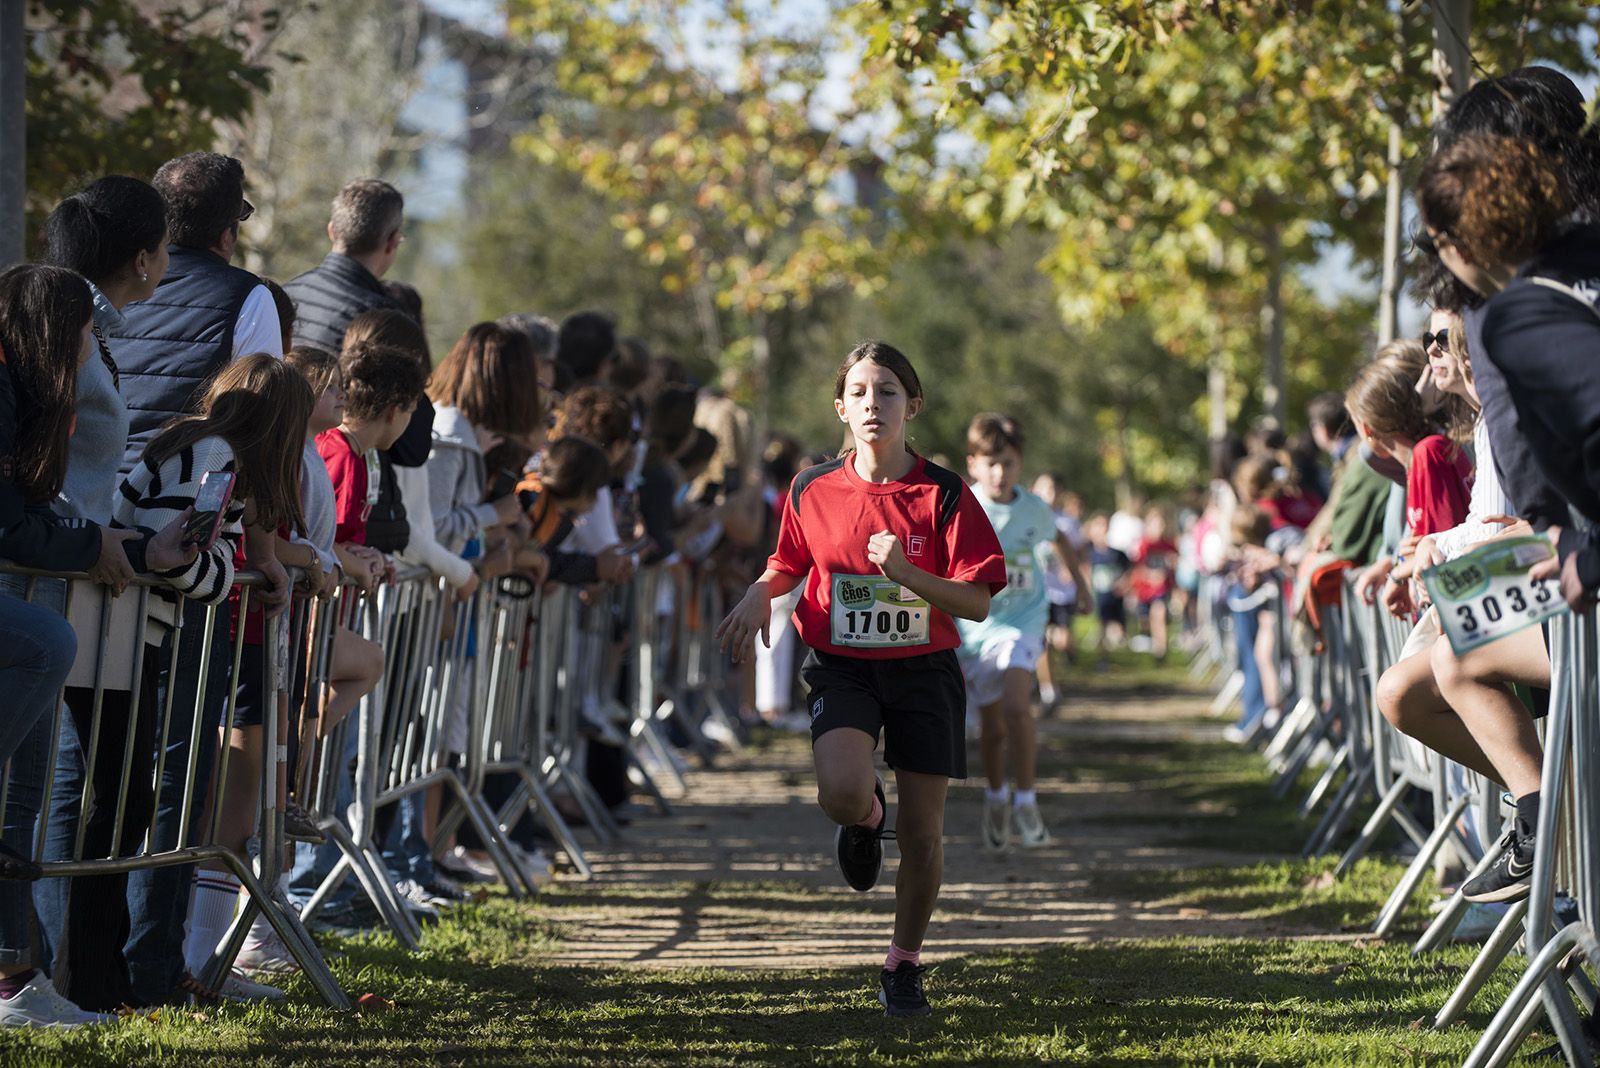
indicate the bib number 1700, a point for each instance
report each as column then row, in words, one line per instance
column 880, row 621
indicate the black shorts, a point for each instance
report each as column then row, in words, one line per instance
column 919, row 703
column 1111, row 608
column 1061, row 615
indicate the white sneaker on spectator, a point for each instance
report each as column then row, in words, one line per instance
column 39, row 1005
column 996, row 832
column 464, row 867
column 1478, row 922
column 417, row 899
column 534, row 862
column 715, row 730
column 1031, row 831
column 237, row 987
column 266, row 955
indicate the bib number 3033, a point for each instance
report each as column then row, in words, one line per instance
column 1486, row 594
column 871, row 612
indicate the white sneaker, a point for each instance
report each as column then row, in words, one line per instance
column 458, row 862
column 265, row 955
column 1235, row 734
column 535, row 863
column 417, row 899
column 717, row 731
column 236, row 987
column 1478, row 923
column 1031, row 831
column 996, row 832
column 38, row 1005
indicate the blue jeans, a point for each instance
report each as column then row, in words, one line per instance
column 158, row 898
column 407, row 853
column 1245, row 627
column 37, row 648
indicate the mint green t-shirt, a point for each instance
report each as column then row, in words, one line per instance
column 1026, row 527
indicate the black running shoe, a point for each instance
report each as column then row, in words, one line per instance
column 900, row 991
column 860, row 849
column 1510, row 878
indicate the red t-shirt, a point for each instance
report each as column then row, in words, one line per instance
column 348, row 471
column 1438, row 486
column 1157, row 561
column 830, row 513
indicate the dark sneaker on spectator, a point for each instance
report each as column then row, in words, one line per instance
column 860, row 849
column 1511, row 876
column 900, row 991
column 301, row 825
column 446, row 889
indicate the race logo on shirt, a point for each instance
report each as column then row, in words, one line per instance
column 916, row 545
column 856, row 594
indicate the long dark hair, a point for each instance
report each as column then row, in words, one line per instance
column 99, row 231
column 43, row 311
column 491, row 375
column 253, row 404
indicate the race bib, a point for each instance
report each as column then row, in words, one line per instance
column 1022, row 571
column 872, row 612
column 1486, row 594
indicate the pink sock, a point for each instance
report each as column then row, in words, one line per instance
column 898, row 956
column 874, row 817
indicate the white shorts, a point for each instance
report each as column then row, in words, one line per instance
column 986, row 670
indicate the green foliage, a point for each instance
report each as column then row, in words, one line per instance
column 120, row 87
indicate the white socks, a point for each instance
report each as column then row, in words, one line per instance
column 1023, row 798
column 997, row 797
column 216, row 896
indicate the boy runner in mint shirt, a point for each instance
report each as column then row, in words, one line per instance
column 1000, row 654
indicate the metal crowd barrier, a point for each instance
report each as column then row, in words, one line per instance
column 536, row 674
column 1337, row 725
column 193, row 841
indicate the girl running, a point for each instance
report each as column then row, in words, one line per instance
column 894, row 546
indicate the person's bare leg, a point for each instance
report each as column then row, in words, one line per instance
column 843, row 758
column 1022, row 742
column 919, row 836
column 356, row 668
column 992, row 744
column 1409, row 698
column 1158, row 629
column 1267, row 659
column 1477, row 686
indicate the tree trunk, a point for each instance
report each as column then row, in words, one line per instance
column 1217, row 394
column 13, row 134
column 1393, row 259
column 1272, row 399
column 1452, row 59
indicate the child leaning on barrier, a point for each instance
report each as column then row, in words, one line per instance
column 239, row 430
column 999, row 654
column 571, row 474
column 890, row 548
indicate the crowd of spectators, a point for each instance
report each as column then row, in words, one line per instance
column 1486, row 428
column 141, row 366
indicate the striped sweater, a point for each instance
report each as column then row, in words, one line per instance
column 152, row 497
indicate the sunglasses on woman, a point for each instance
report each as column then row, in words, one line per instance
column 1442, row 339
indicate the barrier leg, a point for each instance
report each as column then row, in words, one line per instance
column 1305, row 750
column 1341, row 756
column 375, row 883
column 593, row 809
column 1339, row 814
column 1505, row 936
column 295, row 937
column 1302, row 718
column 517, row 881
column 543, row 809
column 1230, row 693
column 1419, row 867
column 1522, row 1007
column 1444, row 925
column 1374, row 826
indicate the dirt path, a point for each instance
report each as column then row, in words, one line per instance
column 743, row 874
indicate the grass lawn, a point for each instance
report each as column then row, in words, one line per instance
column 484, row 991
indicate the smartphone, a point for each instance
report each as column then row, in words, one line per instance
column 210, row 505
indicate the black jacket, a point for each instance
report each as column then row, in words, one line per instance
column 32, row 535
column 331, row 294
column 172, row 343
column 1546, row 345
